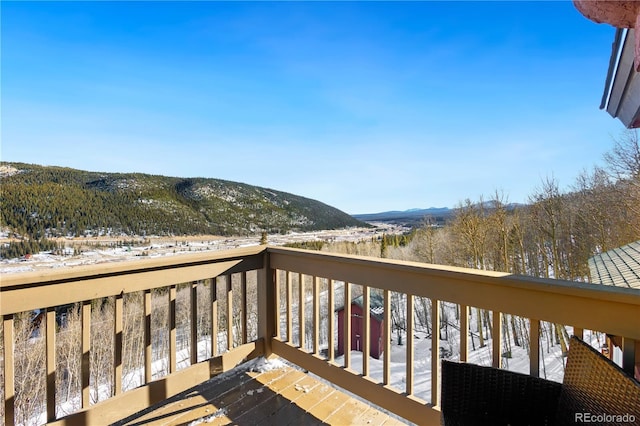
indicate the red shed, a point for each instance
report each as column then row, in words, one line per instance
column 376, row 334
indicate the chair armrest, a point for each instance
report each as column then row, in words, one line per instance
column 594, row 386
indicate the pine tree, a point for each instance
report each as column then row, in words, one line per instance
column 383, row 246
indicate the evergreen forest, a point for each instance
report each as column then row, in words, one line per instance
column 42, row 202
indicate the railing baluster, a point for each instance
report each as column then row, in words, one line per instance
column 266, row 302
column 464, row 333
column 9, row 380
column 301, row 310
column 496, row 318
column 193, row 299
column 578, row 332
column 346, row 338
column 331, row 315
column 628, row 356
column 409, row 339
column 243, row 284
column 173, row 352
column 289, row 308
column 148, row 345
column 435, row 352
column 386, row 373
column 214, row 317
column 51, row 363
column 534, row 347
column 229, row 312
column 117, row 353
column 86, row 353
column 276, row 304
column 316, row 315
column 366, row 342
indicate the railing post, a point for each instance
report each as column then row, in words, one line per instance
column 266, row 304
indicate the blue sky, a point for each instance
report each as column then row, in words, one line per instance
column 366, row 106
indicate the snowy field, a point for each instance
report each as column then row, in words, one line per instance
column 103, row 250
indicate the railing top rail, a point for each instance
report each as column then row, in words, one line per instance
column 570, row 288
column 43, row 289
column 124, row 267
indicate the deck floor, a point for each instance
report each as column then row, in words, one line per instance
column 280, row 396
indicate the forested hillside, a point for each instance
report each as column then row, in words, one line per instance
column 40, row 202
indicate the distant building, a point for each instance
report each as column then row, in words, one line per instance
column 376, row 332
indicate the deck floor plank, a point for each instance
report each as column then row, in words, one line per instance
column 350, row 411
column 170, row 409
column 282, row 396
column 327, row 406
column 372, row 417
column 242, row 398
column 277, row 402
column 289, row 407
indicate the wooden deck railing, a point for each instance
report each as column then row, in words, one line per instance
column 46, row 290
column 614, row 311
column 282, row 313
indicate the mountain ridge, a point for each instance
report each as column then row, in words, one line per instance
column 416, row 216
column 411, row 217
column 43, row 201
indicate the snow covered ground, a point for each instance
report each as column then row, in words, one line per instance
column 96, row 250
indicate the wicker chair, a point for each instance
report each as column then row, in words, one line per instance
column 594, row 390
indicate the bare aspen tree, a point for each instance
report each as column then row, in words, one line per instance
column 29, row 367
column 547, row 210
column 623, row 163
